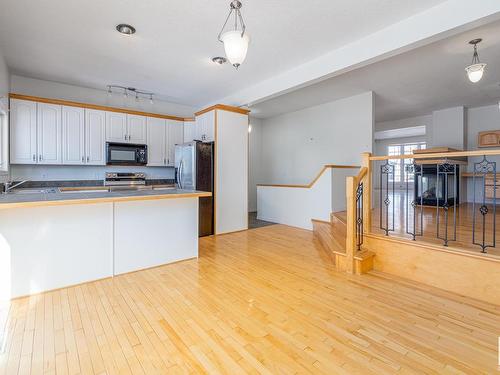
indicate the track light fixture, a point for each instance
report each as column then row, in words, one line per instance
column 139, row 94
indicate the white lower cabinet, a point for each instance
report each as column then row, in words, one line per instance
column 163, row 135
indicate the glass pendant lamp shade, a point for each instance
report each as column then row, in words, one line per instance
column 476, row 69
column 475, row 72
column 235, row 46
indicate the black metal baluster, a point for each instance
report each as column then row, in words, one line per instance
column 359, row 216
column 415, row 170
column 482, row 169
column 386, row 170
column 447, row 171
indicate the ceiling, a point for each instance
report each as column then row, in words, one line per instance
column 410, row 84
column 75, row 42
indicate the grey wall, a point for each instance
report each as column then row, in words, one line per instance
column 480, row 119
column 255, row 162
column 449, row 128
column 296, row 145
column 4, row 77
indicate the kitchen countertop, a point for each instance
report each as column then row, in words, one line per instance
column 58, row 197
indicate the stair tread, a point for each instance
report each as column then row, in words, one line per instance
column 340, row 215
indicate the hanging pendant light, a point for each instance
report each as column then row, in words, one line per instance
column 476, row 69
column 235, row 41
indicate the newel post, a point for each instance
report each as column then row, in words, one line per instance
column 367, row 192
column 350, row 245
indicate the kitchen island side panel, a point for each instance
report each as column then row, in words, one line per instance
column 44, row 248
column 152, row 233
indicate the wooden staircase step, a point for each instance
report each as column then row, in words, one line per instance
column 339, row 216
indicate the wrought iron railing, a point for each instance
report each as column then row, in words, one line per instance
column 416, row 198
column 359, row 216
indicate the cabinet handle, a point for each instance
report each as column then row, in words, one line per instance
column 125, row 136
column 40, row 157
column 88, row 159
column 83, row 159
column 128, row 137
column 34, row 157
column 164, row 161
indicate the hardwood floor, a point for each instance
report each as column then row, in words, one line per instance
column 264, row 301
column 464, row 224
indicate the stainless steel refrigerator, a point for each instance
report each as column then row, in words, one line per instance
column 194, row 170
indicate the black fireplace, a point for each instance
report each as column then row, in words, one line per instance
column 437, row 184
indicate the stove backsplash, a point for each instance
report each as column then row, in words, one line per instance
column 77, row 172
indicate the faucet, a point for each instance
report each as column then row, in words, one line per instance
column 9, row 185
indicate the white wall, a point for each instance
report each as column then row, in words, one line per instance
column 404, row 123
column 255, row 161
column 4, row 118
column 296, row 145
column 231, row 199
column 56, row 90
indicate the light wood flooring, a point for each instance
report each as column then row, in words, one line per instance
column 264, row 301
column 464, row 223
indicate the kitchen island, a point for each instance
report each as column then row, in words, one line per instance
column 54, row 238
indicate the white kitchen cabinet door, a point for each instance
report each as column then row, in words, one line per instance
column 95, row 137
column 49, row 133
column 116, row 127
column 136, row 129
column 157, row 131
column 73, row 135
column 23, row 132
column 189, row 131
column 175, row 136
column 205, row 127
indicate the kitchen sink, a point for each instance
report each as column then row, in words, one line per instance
column 164, row 188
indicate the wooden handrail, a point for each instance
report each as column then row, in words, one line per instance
column 362, row 173
column 437, row 155
column 308, row 186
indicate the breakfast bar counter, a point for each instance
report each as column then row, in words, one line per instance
column 58, row 237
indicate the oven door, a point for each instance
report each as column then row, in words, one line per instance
column 124, row 154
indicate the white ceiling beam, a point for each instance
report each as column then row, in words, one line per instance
column 439, row 22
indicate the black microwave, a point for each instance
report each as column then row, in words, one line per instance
column 126, row 154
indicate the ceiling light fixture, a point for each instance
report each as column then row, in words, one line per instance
column 236, row 40
column 476, row 69
column 219, row 60
column 131, row 90
column 126, row 29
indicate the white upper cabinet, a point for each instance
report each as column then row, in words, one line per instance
column 189, row 131
column 157, row 129
column 23, row 132
column 136, row 129
column 175, row 136
column 73, row 135
column 116, row 127
column 125, row 128
column 49, row 133
column 205, row 127
column 95, row 137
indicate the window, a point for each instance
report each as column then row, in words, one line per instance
column 399, row 164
